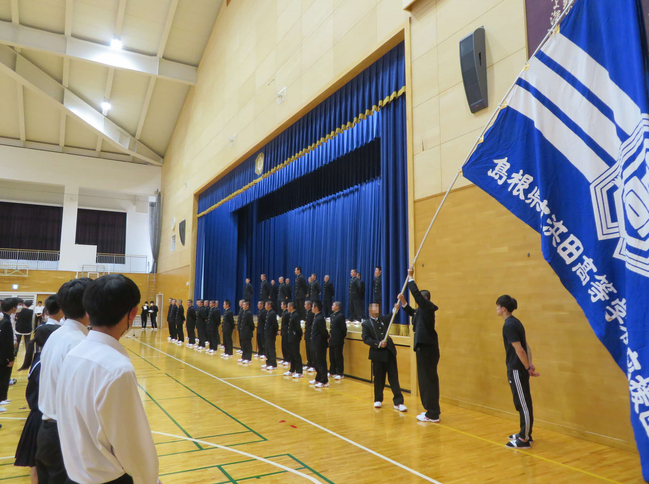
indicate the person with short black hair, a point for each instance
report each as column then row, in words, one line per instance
column 377, row 287
column 426, row 346
column 171, row 320
column 355, row 299
column 261, row 325
column 7, row 354
column 289, row 290
column 274, row 292
column 383, row 354
column 24, row 324
column 213, row 323
column 52, row 313
column 179, row 314
column 228, row 328
column 286, row 349
column 264, row 289
column 308, row 326
column 26, row 449
column 144, row 315
column 519, row 370
column 105, row 434
column 153, row 314
column 246, row 333
column 191, row 325
column 320, row 341
column 301, row 289
column 270, row 336
column 329, row 294
column 338, row 329
column 247, row 291
column 294, row 339
column 314, row 289
column 49, row 459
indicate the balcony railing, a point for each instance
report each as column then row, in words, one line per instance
column 38, row 260
column 47, row 260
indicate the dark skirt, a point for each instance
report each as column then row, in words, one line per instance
column 26, row 450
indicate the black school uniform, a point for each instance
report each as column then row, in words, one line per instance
column 294, row 338
column 286, row 350
column 26, row 450
column 270, row 335
column 228, row 328
column 7, row 354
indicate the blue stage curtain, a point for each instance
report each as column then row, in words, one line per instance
column 359, row 96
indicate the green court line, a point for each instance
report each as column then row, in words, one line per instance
column 170, row 417
column 203, row 438
column 142, row 357
column 304, row 466
column 211, row 448
column 218, row 408
column 311, row 469
column 14, row 477
column 231, row 479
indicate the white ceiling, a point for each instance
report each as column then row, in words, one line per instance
column 56, row 68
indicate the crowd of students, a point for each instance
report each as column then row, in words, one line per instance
column 87, row 424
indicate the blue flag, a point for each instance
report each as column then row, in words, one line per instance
column 569, row 155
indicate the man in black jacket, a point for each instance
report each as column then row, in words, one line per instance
column 286, row 350
column 247, row 291
column 355, row 298
column 270, row 335
column 239, row 320
column 289, row 290
column 261, row 325
column 228, row 327
column 24, row 324
column 213, row 323
column 329, row 295
column 264, row 289
column 314, row 290
column 383, row 355
column 180, row 321
column 191, row 324
column 171, row 320
column 377, row 287
column 320, row 341
column 294, row 339
column 301, row 288
column 246, row 333
column 153, row 314
column 338, row 327
column 426, row 346
column 308, row 326
column 202, row 313
column 7, row 355
column 282, row 293
column 274, row 292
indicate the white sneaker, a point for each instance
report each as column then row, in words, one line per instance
column 270, row 368
column 322, row 385
column 280, row 362
column 2, row 409
column 262, row 357
column 378, row 404
column 286, row 363
column 338, row 377
column 168, row 338
column 179, row 343
column 312, row 382
column 298, row 375
column 240, row 352
column 246, row 362
column 240, row 360
column 311, row 370
column 305, row 368
column 189, row 345
column 287, row 373
column 263, row 367
column 401, row 408
column 5, row 402
column 422, row 418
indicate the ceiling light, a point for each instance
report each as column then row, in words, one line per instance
column 105, row 105
column 116, row 44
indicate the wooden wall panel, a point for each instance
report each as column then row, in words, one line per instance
column 478, row 251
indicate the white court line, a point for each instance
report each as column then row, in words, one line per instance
column 362, row 447
column 294, row 471
column 251, row 376
column 10, row 457
column 14, row 418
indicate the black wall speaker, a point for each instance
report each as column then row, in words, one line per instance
column 473, row 61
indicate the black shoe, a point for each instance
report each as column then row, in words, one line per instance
column 12, row 381
column 519, row 444
column 515, row 436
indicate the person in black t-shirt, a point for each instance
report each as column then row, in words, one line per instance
column 519, row 370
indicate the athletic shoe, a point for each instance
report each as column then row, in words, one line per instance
column 12, row 381
column 263, row 367
column 173, row 340
column 378, row 404
column 339, row 377
column 287, row 373
column 312, row 382
column 246, row 362
column 401, row 408
column 518, row 444
column 262, row 357
column 305, row 368
column 422, row 418
column 311, row 369
column 240, row 352
column 240, row 360
column 271, row 368
column 298, row 375
column 189, row 345
column 5, row 402
column 222, row 347
column 322, row 385
column 168, row 338
column 2, row 409
column 515, row 436
column 280, row 362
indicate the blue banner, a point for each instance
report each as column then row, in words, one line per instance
column 569, row 155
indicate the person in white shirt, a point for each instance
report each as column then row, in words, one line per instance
column 49, row 461
column 38, row 313
column 105, row 434
column 53, row 313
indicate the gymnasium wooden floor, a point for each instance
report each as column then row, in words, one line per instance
column 333, row 435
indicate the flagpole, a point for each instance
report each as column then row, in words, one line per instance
column 475, row 145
